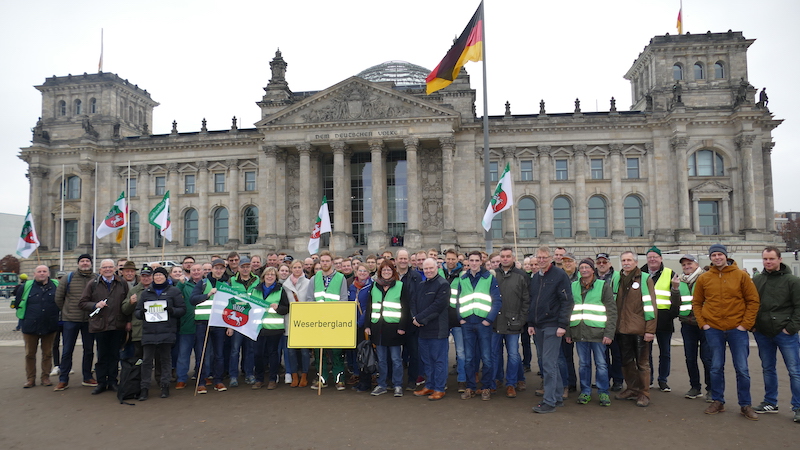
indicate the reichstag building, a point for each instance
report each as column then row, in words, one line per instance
column 686, row 166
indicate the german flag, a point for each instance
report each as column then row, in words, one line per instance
column 468, row 47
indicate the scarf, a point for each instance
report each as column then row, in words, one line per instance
column 384, row 283
column 691, row 278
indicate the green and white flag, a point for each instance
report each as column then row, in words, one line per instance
column 321, row 225
column 159, row 217
column 115, row 220
column 501, row 200
column 240, row 312
column 28, row 240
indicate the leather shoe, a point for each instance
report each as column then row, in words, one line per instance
column 643, row 401
column 29, row 384
column 627, row 394
column 46, row 381
column 748, row 413
column 423, row 392
column 61, row 386
column 180, row 385
column 437, row 395
column 143, row 395
column 165, row 391
column 99, row 389
column 511, row 392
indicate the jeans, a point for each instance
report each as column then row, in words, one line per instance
column 185, row 345
column 433, row 353
column 789, row 345
column 585, row 352
column 511, row 342
column 739, row 343
column 663, row 339
column 527, row 354
column 694, row 341
column 283, row 354
column 478, row 338
column 245, row 344
column 214, row 359
column 70, row 337
column 267, row 352
column 614, row 359
column 548, row 346
column 385, row 354
column 568, row 367
column 108, row 344
column 458, row 341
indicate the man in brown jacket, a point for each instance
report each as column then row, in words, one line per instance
column 636, row 328
column 725, row 303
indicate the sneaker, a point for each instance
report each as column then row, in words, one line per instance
column 584, row 399
column 766, row 408
column 287, row 378
column 749, row 414
column 797, row 415
column 715, row 407
column 219, row 387
column 616, row 387
column 521, row 386
column 272, row 385
column 180, row 385
column 55, row 372
column 250, row 379
column 316, row 385
column 61, row 386
column 340, row 386
column 398, row 391
column 462, row 386
column 467, row 394
column 257, row 385
column 378, row 391
column 486, row 394
column 544, row 408
column 90, row 382
column 605, row 400
column 692, row 393
column 202, row 390
column 664, row 387
column 234, row 382
column 708, row 398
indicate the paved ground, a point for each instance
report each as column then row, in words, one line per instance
column 298, row 418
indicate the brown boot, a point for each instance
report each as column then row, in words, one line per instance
column 303, row 380
column 295, row 380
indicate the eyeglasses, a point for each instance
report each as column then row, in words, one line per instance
column 601, row 262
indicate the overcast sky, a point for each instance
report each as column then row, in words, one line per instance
column 206, row 58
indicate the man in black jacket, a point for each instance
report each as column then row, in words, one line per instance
column 429, row 313
column 514, row 285
column 36, row 306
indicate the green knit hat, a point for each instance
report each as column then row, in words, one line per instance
column 654, row 249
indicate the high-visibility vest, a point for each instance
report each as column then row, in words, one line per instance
column 686, row 299
column 272, row 320
column 662, row 289
column 647, row 306
column 238, row 286
column 478, row 301
column 615, row 283
column 203, row 310
column 330, row 294
column 591, row 309
column 23, row 303
column 386, row 306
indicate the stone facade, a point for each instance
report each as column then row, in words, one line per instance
column 693, row 153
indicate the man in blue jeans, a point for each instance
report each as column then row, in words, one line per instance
column 478, row 299
column 725, row 303
column 510, row 319
column 777, row 324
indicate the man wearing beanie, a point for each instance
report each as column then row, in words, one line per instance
column 68, row 296
column 725, row 304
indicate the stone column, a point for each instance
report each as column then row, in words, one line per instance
column 304, row 148
column 769, row 198
column 696, row 214
column 204, row 232
column 234, row 225
column 143, row 188
column 744, row 143
column 679, row 146
column 617, row 202
column 581, row 205
column 545, row 208
column 509, row 225
column 413, row 236
column 341, row 197
column 448, row 237
column 724, row 223
column 378, row 238
column 85, row 231
column 43, row 227
column 173, row 186
column 267, row 171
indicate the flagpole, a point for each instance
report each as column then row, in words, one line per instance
column 202, row 357
column 514, row 226
column 487, row 193
column 319, row 378
column 38, row 260
column 61, row 244
column 94, row 221
column 127, row 216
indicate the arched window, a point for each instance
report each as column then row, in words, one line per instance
column 634, row 222
column 78, row 107
column 220, row 226
column 562, row 217
column 706, row 163
column 677, row 72
column 719, row 70
column 527, row 217
column 93, row 105
column 133, row 218
column 62, row 108
column 73, row 187
column 190, row 227
column 598, row 223
column 250, row 225
column 699, row 73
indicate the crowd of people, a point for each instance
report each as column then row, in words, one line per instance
column 409, row 306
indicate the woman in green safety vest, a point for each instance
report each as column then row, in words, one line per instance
column 386, row 321
column 272, row 326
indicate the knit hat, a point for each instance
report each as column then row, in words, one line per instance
column 718, row 248
column 161, row 270
column 654, row 249
column 587, row 261
column 85, row 255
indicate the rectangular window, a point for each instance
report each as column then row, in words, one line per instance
column 493, row 171
column 597, row 169
column 562, row 172
column 633, row 168
column 70, row 234
column 709, row 217
column 219, row 182
column 132, row 187
column 161, row 185
column 188, row 184
column 249, row 181
column 526, row 170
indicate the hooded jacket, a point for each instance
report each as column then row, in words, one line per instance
column 725, row 298
column 779, row 292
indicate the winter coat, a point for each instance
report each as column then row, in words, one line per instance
column 551, row 299
column 41, row 312
column 128, row 308
column 514, row 286
column 69, row 293
column 779, row 292
column 165, row 332
column 111, row 317
column 295, row 292
column 725, row 298
column 429, row 308
column 362, row 296
column 630, row 306
column 385, row 333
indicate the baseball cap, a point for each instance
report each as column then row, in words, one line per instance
column 217, row 261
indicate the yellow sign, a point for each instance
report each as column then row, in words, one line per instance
column 322, row 325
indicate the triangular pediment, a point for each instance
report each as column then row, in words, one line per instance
column 356, row 100
column 711, row 187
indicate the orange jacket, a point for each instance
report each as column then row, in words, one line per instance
column 724, row 299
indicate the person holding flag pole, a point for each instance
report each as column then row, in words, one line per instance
column 202, row 299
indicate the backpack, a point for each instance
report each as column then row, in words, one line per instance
column 367, row 357
column 130, row 379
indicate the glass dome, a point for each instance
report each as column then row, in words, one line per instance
column 402, row 73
